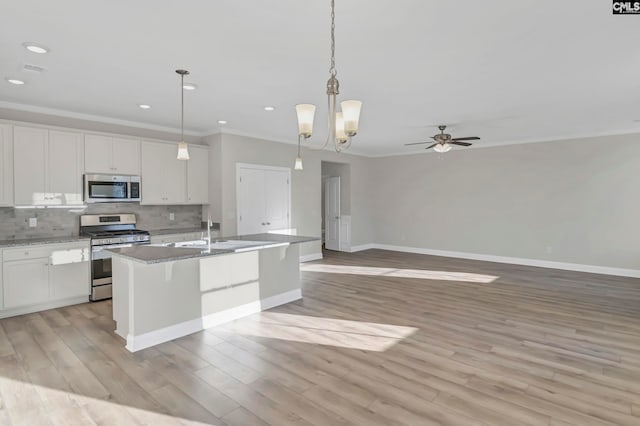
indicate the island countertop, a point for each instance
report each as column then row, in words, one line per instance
column 159, row 254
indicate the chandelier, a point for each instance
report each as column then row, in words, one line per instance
column 341, row 125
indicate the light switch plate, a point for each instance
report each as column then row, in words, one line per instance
column 172, row 216
column 33, row 222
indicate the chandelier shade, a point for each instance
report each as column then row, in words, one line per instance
column 341, row 125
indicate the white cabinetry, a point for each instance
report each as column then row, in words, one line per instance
column 39, row 277
column 198, row 176
column 47, row 167
column 111, row 155
column 6, row 165
column 163, row 176
column 26, row 282
column 263, row 197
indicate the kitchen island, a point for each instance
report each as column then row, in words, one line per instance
column 161, row 293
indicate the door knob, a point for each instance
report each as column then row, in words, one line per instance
column 337, row 217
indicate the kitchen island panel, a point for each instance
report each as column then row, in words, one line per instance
column 155, row 303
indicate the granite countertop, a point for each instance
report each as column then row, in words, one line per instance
column 40, row 240
column 158, row 254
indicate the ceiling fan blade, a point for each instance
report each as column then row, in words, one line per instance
column 469, row 138
column 460, row 143
column 429, row 147
column 416, row 143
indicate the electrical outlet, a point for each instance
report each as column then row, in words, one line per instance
column 172, row 216
column 549, row 249
column 33, row 222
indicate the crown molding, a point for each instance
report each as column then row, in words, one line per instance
column 95, row 118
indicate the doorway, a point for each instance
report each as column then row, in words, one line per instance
column 336, row 206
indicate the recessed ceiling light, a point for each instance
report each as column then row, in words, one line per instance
column 144, row 106
column 15, row 81
column 269, row 108
column 189, row 86
column 35, row 47
column 222, row 121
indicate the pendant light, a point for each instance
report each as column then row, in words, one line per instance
column 341, row 126
column 183, row 148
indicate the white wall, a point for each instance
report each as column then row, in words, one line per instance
column 575, row 201
column 215, row 179
column 306, row 208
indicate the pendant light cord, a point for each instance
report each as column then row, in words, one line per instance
column 182, row 108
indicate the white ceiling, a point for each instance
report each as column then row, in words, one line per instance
column 508, row 71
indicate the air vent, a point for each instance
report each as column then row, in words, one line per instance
column 33, row 68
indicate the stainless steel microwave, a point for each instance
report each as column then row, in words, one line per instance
column 111, row 189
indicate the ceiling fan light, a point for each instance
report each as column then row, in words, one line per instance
column 183, row 151
column 305, row 112
column 351, row 110
column 442, row 148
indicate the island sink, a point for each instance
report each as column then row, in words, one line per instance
column 235, row 245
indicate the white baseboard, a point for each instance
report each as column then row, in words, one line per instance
column 12, row 312
column 516, row 261
column 362, row 247
column 152, row 338
column 310, row 257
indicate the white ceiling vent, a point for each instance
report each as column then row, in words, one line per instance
column 33, row 68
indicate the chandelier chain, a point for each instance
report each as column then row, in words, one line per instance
column 332, row 70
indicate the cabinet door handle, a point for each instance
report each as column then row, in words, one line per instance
column 268, row 223
column 263, row 224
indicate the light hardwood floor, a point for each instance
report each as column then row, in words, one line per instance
column 379, row 338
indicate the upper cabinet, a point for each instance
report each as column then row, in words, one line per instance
column 45, row 167
column 111, row 155
column 163, row 176
column 167, row 180
column 6, row 165
column 48, row 167
column 198, row 175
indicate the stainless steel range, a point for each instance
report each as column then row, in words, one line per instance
column 106, row 232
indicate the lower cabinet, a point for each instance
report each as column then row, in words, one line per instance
column 68, row 280
column 42, row 275
column 26, row 282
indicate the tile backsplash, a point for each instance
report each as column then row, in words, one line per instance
column 53, row 222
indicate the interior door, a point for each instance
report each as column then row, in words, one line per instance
column 251, row 201
column 332, row 213
column 276, row 199
column 263, row 199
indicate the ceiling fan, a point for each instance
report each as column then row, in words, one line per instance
column 444, row 141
